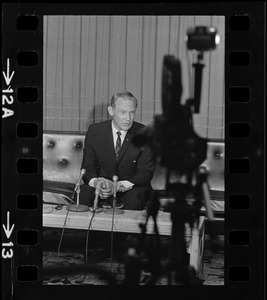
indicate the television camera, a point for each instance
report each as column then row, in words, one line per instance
column 178, row 148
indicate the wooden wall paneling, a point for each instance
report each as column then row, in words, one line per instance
column 58, row 103
column 216, row 107
column 48, row 121
column 222, row 137
column 173, row 35
column 89, row 71
column 67, row 72
column 114, row 64
column 102, row 68
column 186, row 57
column 52, row 82
column 77, row 56
column 89, row 58
column 149, row 55
column 45, row 34
column 134, row 60
column 121, row 49
column 71, row 74
column 117, row 63
column 162, row 49
column 106, row 68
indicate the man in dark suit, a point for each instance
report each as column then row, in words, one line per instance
column 109, row 151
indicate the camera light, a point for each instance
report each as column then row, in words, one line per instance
column 217, row 39
column 212, row 29
column 202, row 38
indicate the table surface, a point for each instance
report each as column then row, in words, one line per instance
column 127, row 222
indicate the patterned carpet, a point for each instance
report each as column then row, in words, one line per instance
column 71, row 257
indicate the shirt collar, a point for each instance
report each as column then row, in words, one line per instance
column 114, row 131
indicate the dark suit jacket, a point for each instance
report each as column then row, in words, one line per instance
column 99, row 160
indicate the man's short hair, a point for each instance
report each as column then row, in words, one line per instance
column 124, row 95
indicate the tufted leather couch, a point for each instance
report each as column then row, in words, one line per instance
column 63, row 152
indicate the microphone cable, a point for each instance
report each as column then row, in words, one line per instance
column 115, row 179
column 87, row 236
column 83, row 171
column 89, row 226
column 63, row 229
column 111, row 239
column 97, row 192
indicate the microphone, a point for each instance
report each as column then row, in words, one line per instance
column 115, row 180
column 83, row 171
column 78, row 207
column 114, row 210
column 97, row 192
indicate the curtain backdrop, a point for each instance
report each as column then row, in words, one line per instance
column 89, row 58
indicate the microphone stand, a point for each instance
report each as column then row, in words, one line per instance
column 114, row 210
column 97, row 209
column 203, row 189
column 78, row 207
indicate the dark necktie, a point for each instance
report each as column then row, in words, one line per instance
column 118, row 144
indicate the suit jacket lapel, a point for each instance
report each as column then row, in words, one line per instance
column 126, row 142
column 125, row 145
column 109, row 144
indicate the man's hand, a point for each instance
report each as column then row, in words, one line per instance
column 120, row 187
column 105, row 187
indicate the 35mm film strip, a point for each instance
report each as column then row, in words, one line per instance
column 22, row 159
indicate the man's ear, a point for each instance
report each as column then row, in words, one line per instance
column 110, row 110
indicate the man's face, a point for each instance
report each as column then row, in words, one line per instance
column 123, row 113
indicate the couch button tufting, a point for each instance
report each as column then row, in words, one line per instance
column 217, row 154
column 63, row 162
column 78, row 145
column 51, row 144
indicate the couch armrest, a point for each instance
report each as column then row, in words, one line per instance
column 58, row 187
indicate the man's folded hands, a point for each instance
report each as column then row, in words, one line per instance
column 106, row 187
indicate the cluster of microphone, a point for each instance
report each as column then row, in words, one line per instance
column 97, row 191
column 98, row 188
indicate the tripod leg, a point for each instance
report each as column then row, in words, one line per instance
column 210, row 216
column 179, row 258
column 206, row 196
